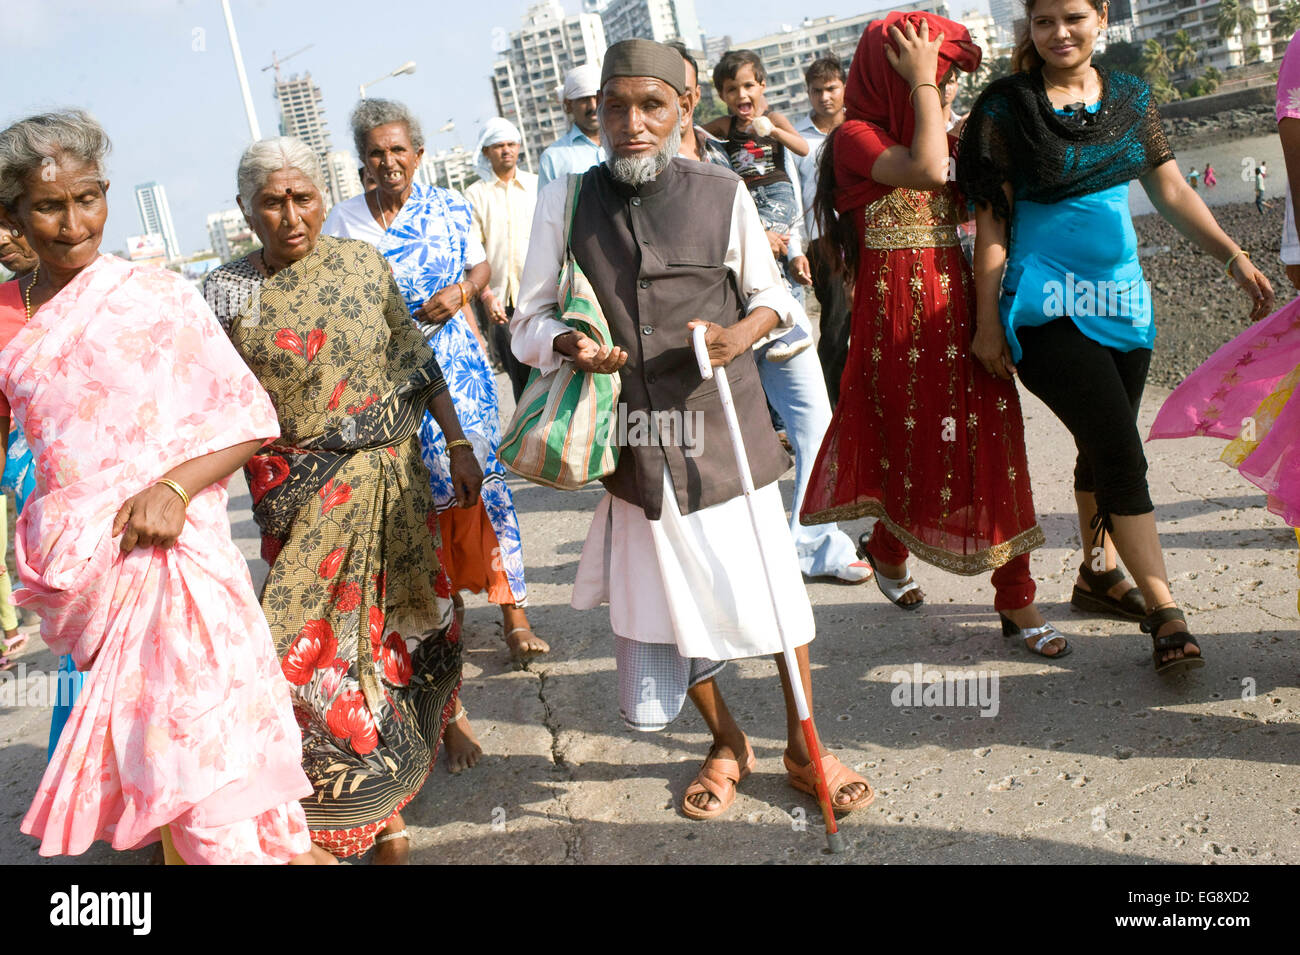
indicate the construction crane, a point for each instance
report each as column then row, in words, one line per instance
column 275, row 62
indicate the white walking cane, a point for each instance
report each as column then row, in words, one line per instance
column 833, row 837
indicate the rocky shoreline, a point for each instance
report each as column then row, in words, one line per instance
column 1197, row 307
column 1224, row 127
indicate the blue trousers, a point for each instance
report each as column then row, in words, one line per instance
column 797, row 390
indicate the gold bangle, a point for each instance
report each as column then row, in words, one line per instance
column 1227, row 267
column 459, row 443
column 463, row 297
column 168, row 482
column 919, row 86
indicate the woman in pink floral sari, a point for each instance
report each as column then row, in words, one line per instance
column 138, row 410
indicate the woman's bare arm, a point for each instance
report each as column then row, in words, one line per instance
column 1181, row 206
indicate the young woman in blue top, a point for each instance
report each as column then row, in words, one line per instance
column 1047, row 156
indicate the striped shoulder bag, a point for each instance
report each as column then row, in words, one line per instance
column 561, row 433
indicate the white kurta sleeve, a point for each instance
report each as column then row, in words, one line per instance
column 750, row 259
column 534, row 327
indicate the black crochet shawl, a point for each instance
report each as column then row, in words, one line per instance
column 1014, row 135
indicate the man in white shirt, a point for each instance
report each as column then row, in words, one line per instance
column 502, row 202
column 667, row 244
column 579, row 149
column 825, row 82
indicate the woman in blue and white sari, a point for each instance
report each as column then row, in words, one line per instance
column 424, row 233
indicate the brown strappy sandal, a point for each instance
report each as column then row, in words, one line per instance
column 718, row 777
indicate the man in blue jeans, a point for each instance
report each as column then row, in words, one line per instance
column 796, row 388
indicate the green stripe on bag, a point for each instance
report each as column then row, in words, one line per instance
column 560, row 434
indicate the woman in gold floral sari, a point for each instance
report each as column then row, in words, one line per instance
column 359, row 609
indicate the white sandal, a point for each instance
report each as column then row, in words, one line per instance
column 894, row 587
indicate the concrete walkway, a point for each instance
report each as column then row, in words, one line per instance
column 1094, row 759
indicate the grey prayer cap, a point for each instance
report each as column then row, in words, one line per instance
column 645, row 58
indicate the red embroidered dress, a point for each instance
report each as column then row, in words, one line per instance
column 923, row 437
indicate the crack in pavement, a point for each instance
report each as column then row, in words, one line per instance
column 572, row 835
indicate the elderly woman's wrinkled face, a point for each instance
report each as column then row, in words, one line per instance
column 61, row 214
column 391, row 159
column 15, row 254
column 287, row 215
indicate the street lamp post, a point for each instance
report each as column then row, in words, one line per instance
column 408, row 67
column 253, row 129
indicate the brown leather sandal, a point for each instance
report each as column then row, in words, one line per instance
column 804, row 779
column 718, row 777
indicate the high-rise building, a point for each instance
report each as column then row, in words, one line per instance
column 1159, row 20
column 985, row 34
column 1006, row 14
column 658, row 20
column 156, row 216
column 226, row 230
column 714, row 47
column 302, row 115
column 342, row 172
column 449, row 168
column 787, row 54
column 528, row 78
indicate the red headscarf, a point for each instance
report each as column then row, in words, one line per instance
column 875, row 92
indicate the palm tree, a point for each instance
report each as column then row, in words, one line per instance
column 1236, row 16
column 1156, row 65
column 1288, row 19
column 1184, row 52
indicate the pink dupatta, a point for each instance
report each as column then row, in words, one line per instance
column 1222, row 396
column 184, row 714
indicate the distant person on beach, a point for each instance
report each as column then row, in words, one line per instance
column 1243, row 393
column 1051, row 190
column 1209, row 178
column 1261, row 171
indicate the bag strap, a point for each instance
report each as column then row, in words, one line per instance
column 571, row 208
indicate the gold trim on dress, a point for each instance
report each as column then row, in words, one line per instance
column 967, row 565
column 911, row 219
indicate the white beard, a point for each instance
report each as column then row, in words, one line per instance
column 637, row 172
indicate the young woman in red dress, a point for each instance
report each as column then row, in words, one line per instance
column 923, row 438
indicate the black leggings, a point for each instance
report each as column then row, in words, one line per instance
column 1095, row 391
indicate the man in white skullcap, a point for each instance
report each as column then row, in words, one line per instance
column 579, row 149
column 502, row 202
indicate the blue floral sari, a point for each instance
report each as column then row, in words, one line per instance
column 426, row 245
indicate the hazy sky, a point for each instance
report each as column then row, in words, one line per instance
column 159, row 75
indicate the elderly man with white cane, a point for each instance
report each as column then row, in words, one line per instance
column 668, row 245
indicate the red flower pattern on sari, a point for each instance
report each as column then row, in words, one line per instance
column 315, row 339
column 333, row 560
column 397, row 660
column 341, row 387
column 289, row 341
column 314, row 647
column 268, row 471
column 333, row 494
column 347, row 596
column 349, row 719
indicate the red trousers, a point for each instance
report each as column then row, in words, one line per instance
column 1013, row 585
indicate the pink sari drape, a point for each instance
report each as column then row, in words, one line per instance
column 184, row 717
column 1221, row 399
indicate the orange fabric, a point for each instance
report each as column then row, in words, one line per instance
column 471, row 554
